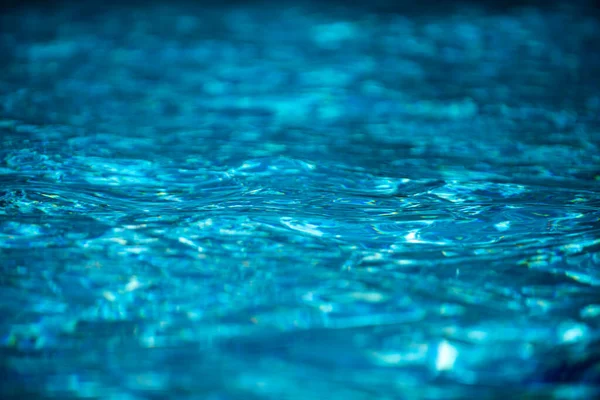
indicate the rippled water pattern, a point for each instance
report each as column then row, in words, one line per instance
column 277, row 202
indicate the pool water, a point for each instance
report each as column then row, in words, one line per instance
column 299, row 201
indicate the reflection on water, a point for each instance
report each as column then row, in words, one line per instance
column 279, row 202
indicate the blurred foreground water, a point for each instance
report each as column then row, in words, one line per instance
column 273, row 201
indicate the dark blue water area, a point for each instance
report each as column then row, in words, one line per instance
column 262, row 200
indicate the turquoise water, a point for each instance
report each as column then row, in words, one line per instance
column 308, row 202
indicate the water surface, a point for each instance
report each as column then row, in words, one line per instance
column 310, row 202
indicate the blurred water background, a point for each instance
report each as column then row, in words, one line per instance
column 299, row 200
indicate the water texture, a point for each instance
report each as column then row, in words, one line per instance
column 273, row 201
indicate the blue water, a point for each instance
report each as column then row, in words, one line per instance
column 279, row 201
